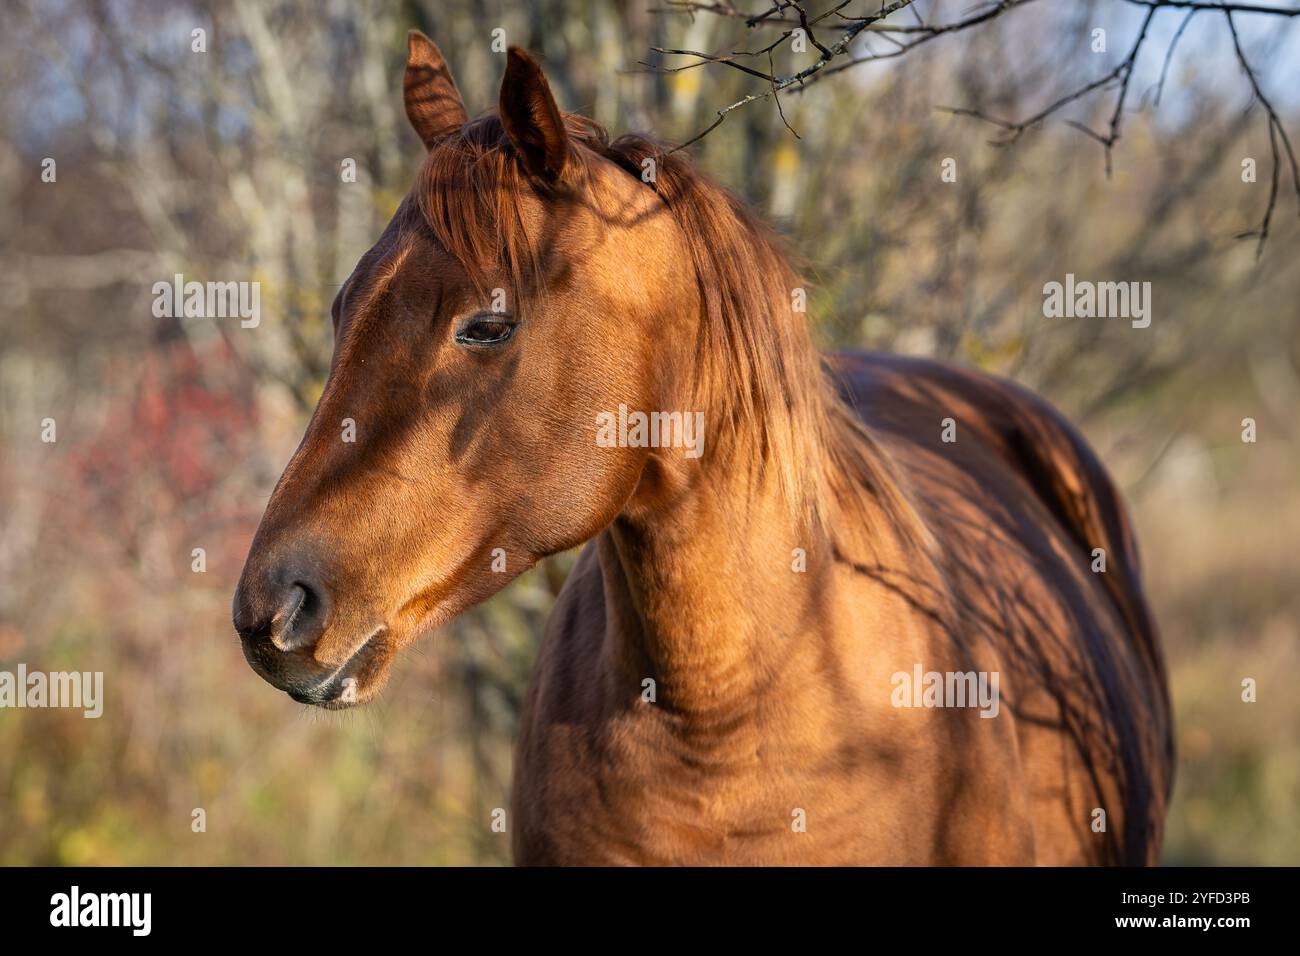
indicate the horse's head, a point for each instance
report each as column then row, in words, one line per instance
column 530, row 282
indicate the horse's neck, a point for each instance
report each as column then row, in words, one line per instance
column 709, row 597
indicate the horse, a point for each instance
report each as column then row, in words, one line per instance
column 874, row 611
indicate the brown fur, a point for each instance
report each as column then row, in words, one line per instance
column 772, row 686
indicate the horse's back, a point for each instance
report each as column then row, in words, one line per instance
column 1024, row 514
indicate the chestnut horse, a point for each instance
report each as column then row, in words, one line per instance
column 889, row 612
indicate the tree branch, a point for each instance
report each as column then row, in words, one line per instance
column 792, row 18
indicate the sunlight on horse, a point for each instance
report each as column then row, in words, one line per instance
column 720, row 679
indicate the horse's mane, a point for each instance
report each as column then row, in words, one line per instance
column 758, row 371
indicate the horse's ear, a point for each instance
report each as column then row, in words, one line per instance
column 531, row 118
column 433, row 103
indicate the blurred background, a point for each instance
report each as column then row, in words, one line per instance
column 224, row 165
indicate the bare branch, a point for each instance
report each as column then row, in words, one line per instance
column 1276, row 132
column 1169, row 54
column 1221, row 7
column 778, row 83
column 792, row 18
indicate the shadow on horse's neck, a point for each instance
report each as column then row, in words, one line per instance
column 711, row 586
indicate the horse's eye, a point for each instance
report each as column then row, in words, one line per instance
column 479, row 330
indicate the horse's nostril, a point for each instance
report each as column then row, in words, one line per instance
column 288, row 627
column 279, row 609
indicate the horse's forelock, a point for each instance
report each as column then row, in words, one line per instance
column 469, row 192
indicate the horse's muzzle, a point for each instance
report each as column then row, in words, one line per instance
column 280, row 618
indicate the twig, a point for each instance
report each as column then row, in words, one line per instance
column 1276, row 131
column 1121, row 74
column 778, row 83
